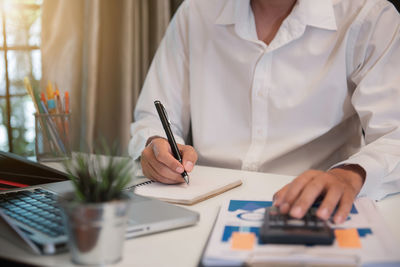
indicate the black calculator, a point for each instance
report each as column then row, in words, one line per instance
column 280, row 228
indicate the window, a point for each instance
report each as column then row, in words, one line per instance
column 20, row 57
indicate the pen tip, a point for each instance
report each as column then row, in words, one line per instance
column 186, row 178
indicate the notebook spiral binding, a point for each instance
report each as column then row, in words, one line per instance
column 141, row 184
column 144, row 183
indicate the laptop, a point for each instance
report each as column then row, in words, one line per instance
column 29, row 190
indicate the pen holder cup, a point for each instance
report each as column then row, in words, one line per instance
column 52, row 142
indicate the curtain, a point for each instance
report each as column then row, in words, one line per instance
column 99, row 51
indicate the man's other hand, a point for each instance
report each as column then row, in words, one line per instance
column 338, row 188
column 159, row 164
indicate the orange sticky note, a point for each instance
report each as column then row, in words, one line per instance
column 348, row 238
column 243, row 240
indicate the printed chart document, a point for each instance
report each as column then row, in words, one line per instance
column 203, row 184
column 363, row 240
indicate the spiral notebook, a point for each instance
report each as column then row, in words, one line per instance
column 203, row 184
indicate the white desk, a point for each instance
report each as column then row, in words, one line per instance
column 183, row 247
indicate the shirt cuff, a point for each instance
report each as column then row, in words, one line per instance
column 138, row 141
column 373, row 178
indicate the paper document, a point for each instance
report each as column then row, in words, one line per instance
column 363, row 239
column 204, row 183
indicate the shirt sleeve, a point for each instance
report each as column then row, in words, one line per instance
column 167, row 81
column 376, row 99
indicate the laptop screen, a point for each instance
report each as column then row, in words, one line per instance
column 17, row 171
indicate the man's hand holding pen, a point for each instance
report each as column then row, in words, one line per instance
column 159, row 164
column 163, row 160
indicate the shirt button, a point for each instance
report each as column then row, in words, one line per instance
column 260, row 94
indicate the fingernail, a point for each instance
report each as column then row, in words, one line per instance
column 324, row 214
column 296, row 212
column 188, row 166
column 179, row 169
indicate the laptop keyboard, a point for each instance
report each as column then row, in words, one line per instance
column 36, row 208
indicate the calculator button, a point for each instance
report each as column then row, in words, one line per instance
column 311, row 223
column 295, row 222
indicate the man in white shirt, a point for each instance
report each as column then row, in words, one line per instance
column 280, row 86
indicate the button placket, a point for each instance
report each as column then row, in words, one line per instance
column 261, row 81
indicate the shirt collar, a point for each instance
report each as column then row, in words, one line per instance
column 317, row 13
column 227, row 15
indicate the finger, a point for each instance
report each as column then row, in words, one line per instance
column 162, row 152
column 345, row 204
column 278, row 196
column 294, row 190
column 145, row 168
column 307, row 197
column 158, row 170
column 329, row 202
column 162, row 171
column 150, row 172
column 189, row 157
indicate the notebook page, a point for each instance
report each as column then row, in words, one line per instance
column 201, row 186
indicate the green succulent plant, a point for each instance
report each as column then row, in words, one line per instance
column 98, row 178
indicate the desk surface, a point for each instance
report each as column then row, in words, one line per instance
column 183, row 247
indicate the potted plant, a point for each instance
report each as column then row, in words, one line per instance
column 96, row 212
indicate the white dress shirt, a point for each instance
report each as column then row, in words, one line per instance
column 300, row 102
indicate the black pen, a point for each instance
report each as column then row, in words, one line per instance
column 162, row 113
